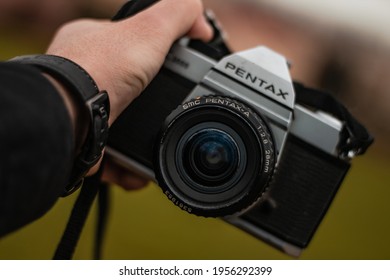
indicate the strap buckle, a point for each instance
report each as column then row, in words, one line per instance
column 98, row 107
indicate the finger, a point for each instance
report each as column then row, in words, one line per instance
column 175, row 18
column 201, row 30
column 130, row 181
column 116, row 174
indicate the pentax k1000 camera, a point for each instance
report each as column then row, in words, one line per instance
column 232, row 136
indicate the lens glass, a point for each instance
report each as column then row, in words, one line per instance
column 211, row 157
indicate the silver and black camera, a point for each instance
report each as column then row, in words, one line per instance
column 224, row 136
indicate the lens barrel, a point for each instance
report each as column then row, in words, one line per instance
column 214, row 156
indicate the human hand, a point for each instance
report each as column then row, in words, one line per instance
column 123, row 57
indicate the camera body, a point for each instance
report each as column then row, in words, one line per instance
column 223, row 136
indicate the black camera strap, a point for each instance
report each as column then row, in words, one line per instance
column 132, row 7
column 358, row 139
column 92, row 186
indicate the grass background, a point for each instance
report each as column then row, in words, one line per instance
column 144, row 224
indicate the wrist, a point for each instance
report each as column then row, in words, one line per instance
column 78, row 114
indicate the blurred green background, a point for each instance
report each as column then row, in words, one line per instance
column 145, row 225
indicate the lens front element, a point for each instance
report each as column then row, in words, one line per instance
column 210, row 156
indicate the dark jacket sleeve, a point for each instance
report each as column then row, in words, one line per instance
column 36, row 144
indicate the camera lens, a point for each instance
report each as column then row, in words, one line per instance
column 214, row 156
column 211, row 156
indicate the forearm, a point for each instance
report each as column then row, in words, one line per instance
column 37, row 146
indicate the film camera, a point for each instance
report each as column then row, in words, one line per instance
column 224, row 136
